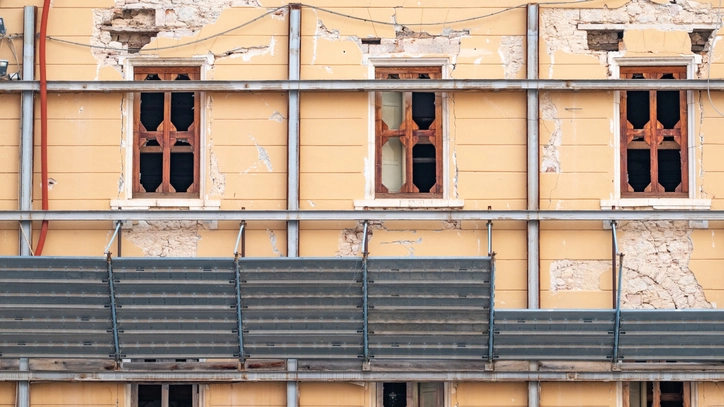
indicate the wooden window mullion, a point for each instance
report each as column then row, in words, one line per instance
column 409, row 186
column 654, row 141
column 623, row 150
column 656, row 394
column 166, row 177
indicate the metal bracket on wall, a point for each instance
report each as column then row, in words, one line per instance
column 112, row 295
column 365, row 315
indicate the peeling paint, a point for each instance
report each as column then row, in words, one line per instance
column 273, row 241
column 218, row 178
column 262, row 158
column 247, row 53
column 512, row 54
column 550, row 162
column 277, row 117
column 409, row 245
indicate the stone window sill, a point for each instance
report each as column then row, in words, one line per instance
column 145, row 203
column 408, row 204
column 682, row 204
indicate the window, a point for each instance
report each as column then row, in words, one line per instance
column 401, row 394
column 654, row 144
column 408, row 137
column 166, row 136
column 657, row 394
column 165, row 395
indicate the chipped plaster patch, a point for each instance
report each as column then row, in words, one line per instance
column 656, row 272
column 551, row 162
column 512, row 54
column 262, row 158
column 559, row 27
column 568, row 275
column 273, row 241
column 277, row 117
column 247, row 53
column 131, row 24
column 166, row 238
column 218, row 178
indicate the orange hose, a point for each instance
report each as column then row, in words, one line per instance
column 43, row 122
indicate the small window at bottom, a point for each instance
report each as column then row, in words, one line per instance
column 657, row 394
column 410, row 394
column 165, row 395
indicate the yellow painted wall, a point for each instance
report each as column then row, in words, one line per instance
column 246, row 394
column 489, row 394
column 578, row 394
column 77, row 394
column 332, row 394
column 7, row 394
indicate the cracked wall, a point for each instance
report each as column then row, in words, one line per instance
column 131, row 24
column 561, row 35
column 656, row 273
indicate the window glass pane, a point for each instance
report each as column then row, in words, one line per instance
column 424, row 168
column 639, row 169
column 182, row 171
column 667, row 108
column 180, row 395
column 182, row 107
column 423, row 109
column 394, row 395
column 637, row 108
column 151, row 171
column 149, row 395
column 393, row 164
column 151, row 110
column 393, row 112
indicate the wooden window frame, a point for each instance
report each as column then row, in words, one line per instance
column 653, row 134
column 409, row 134
column 657, row 396
column 164, row 393
column 412, row 394
column 166, row 136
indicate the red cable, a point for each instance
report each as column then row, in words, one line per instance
column 43, row 122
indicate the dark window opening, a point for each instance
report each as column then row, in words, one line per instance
column 393, row 76
column 637, row 108
column 423, row 109
column 151, row 171
column 639, row 169
column 165, row 395
column 180, row 395
column 149, row 395
column 657, row 394
column 654, row 134
column 166, row 134
column 424, row 167
column 182, row 174
column 394, row 395
column 669, row 169
column 151, row 110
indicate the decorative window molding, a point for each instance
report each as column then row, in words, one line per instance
column 403, row 193
column 135, row 196
column 686, row 200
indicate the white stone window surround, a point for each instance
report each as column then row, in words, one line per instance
column 690, row 61
column 370, row 201
column 178, row 203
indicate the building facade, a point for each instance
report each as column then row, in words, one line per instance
column 488, row 161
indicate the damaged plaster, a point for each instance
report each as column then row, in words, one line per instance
column 512, row 54
column 131, row 24
column 656, row 272
column 551, row 160
column 262, row 158
column 166, row 238
column 559, row 27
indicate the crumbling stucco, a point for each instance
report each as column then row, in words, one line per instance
column 551, row 161
column 349, row 243
column 656, row 272
column 218, row 178
column 512, row 54
column 559, row 27
column 131, row 24
column 166, row 238
column 568, row 275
